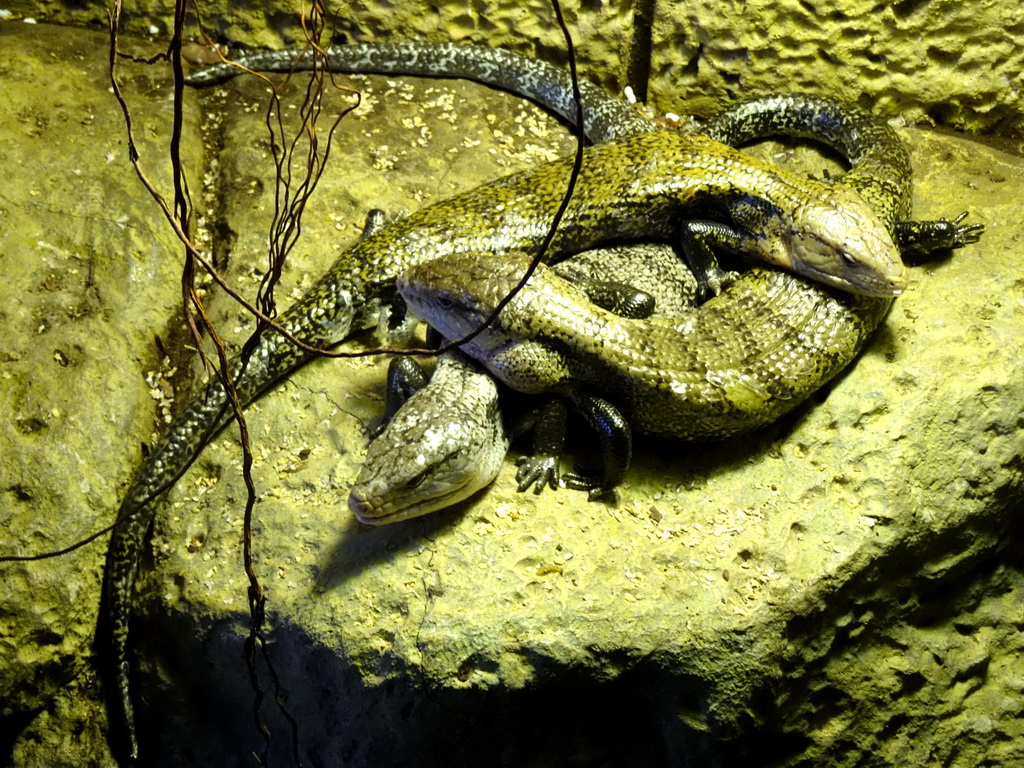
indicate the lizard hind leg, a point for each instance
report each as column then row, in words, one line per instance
column 615, row 438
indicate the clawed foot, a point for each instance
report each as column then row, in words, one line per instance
column 538, row 471
column 542, row 471
column 921, row 239
column 713, row 283
column 581, row 482
column 962, row 236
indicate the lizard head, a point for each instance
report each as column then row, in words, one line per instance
column 456, row 293
column 437, row 451
column 840, row 241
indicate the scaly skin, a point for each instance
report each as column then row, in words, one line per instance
column 447, row 440
column 605, row 117
column 736, row 363
column 405, row 476
column 444, row 444
column 638, row 187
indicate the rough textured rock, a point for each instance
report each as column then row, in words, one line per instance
column 934, row 680
column 774, row 591
column 943, row 62
column 726, row 583
column 89, row 280
column 724, row 580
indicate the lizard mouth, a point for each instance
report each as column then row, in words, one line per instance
column 863, row 283
column 368, row 513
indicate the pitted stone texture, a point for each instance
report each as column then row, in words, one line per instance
column 89, row 267
column 684, row 618
column 938, row 62
column 943, row 62
column 683, row 623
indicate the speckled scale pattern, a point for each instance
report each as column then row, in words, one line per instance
column 605, row 117
column 631, row 187
column 734, row 364
column 880, row 165
column 880, row 170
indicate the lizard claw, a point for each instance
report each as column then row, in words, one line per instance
column 965, row 235
column 581, row 482
column 537, row 470
column 713, row 283
column 921, row 239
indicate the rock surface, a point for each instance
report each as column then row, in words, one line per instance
column 726, row 581
column 89, row 270
column 775, row 591
column 946, row 62
column 938, row 63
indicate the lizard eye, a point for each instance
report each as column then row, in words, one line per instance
column 417, row 481
column 444, row 302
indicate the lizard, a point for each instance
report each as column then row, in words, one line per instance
column 637, row 185
column 461, row 457
column 737, row 362
column 448, row 439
